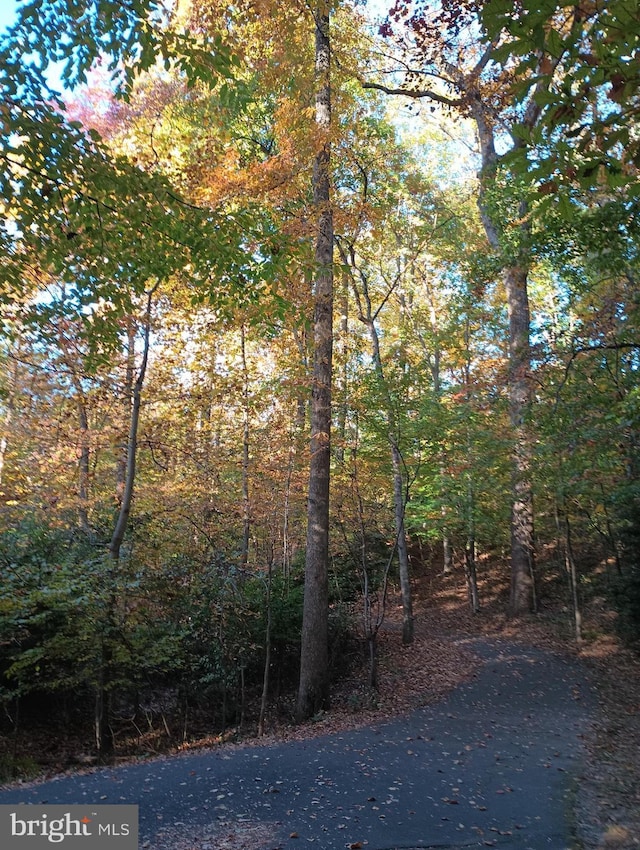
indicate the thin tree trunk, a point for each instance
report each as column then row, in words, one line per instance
column 99, row 710
column 122, row 521
column 372, row 645
column 400, row 496
column 121, row 460
column 300, row 339
column 286, row 542
column 399, row 487
column 313, row 693
column 70, row 360
column 374, row 605
column 243, row 698
column 471, row 574
column 470, row 554
column 267, row 654
column 84, row 466
column 4, row 441
column 104, row 737
column 9, row 414
column 572, row 572
column 246, row 510
column 434, row 359
column 564, row 547
column 447, row 552
column 400, row 501
column 341, row 416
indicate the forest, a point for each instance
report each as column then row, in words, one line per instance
column 295, row 300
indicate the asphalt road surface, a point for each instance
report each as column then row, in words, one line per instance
column 496, row 763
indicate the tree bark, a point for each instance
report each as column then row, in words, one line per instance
column 83, row 465
column 84, row 459
column 246, row 506
column 515, row 277
column 400, row 501
column 313, row 693
column 267, row 652
column 572, row 571
column 122, row 520
column 9, row 414
column 522, row 593
column 122, row 445
column 470, row 574
column 341, row 413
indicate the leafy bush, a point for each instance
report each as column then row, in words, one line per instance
column 176, row 634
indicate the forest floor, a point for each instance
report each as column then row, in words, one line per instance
column 607, row 813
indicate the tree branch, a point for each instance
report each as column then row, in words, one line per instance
column 416, row 94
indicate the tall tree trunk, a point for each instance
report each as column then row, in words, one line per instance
column 9, row 413
column 565, row 547
column 121, row 459
column 122, row 520
column 246, row 507
column 267, row 650
column 434, row 359
column 103, row 733
column 470, row 553
column 522, row 546
column 70, row 359
column 313, row 693
column 302, row 401
column 400, row 501
column 470, row 573
column 447, row 549
column 341, row 413
column 572, row 571
column 515, row 277
column 84, row 466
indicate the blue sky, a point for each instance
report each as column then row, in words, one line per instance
column 7, row 13
column 8, row 9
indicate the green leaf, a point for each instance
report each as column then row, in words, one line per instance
column 555, row 45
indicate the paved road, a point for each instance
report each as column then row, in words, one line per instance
column 494, row 764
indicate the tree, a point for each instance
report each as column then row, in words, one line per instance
column 313, row 693
column 368, row 316
column 467, row 76
column 131, row 453
column 580, row 62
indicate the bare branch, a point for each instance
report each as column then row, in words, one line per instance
column 416, row 94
